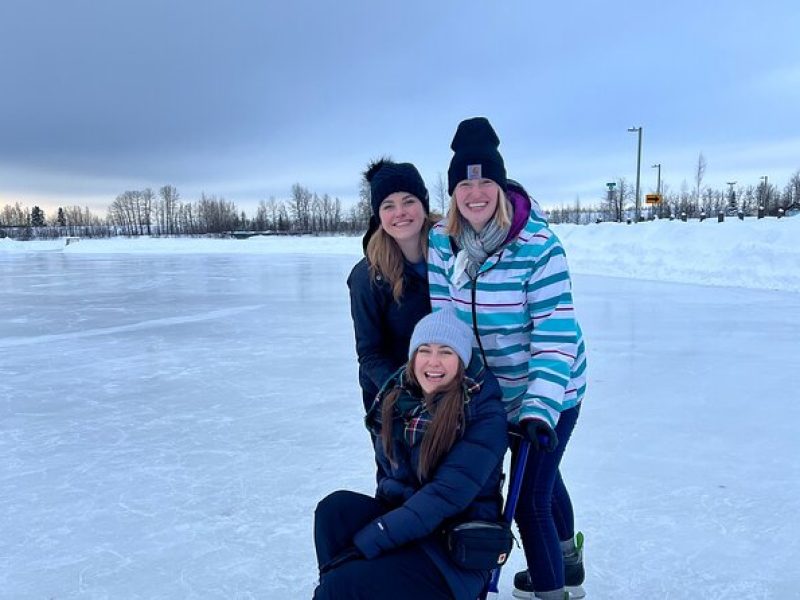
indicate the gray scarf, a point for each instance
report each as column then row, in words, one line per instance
column 479, row 246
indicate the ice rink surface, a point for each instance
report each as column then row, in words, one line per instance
column 168, row 423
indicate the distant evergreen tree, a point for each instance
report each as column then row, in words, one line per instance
column 61, row 219
column 37, row 217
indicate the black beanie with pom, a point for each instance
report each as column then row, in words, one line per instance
column 386, row 177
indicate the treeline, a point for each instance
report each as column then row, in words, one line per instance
column 695, row 202
column 145, row 212
column 164, row 213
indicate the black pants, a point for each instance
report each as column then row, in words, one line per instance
column 401, row 574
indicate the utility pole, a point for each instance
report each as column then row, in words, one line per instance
column 658, row 184
column 638, row 171
column 765, row 194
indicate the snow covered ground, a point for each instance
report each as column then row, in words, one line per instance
column 172, row 410
column 761, row 254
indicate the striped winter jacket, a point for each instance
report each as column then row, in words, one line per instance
column 520, row 307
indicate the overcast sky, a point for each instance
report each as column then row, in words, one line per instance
column 243, row 98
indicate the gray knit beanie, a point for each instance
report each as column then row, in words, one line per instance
column 443, row 327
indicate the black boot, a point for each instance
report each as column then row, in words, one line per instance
column 574, row 574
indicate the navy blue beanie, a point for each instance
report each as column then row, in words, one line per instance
column 475, row 154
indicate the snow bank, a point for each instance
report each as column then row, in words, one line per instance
column 761, row 254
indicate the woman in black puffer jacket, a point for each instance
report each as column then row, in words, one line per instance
column 440, row 438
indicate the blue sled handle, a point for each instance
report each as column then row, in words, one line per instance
column 511, row 504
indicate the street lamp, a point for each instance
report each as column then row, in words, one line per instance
column 658, row 185
column 638, row 169
column 765, row 200
column 658, row 190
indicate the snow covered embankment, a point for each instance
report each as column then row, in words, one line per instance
column 761, row 254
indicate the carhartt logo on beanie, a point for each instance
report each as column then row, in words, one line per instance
column 443, row 327
column 476, row 156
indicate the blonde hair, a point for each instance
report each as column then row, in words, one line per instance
column 446, row 423
column 386, row 259
column 502, row 214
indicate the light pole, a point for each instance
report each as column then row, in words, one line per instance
column 658, row 184
column 658, row 191
column 765, row 199
column 638, row 170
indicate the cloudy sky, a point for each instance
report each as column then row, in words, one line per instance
column 243, row 98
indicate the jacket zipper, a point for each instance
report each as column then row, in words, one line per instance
column 475, row 319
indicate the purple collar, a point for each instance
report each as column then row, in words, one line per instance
column 522, row 210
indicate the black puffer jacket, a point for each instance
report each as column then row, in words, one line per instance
column 464, row 486
column 382, row 326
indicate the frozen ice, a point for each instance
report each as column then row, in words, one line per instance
column 169, row 421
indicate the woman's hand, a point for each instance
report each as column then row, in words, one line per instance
column 540, row 434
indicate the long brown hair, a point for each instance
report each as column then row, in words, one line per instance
column 386, row 259
column 444, row 428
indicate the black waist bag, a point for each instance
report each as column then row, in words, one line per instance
column 479, row 545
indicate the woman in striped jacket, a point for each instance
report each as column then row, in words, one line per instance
column 498, row 263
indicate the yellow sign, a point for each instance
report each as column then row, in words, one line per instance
column 652, row 198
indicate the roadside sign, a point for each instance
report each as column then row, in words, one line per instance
column 652, row 198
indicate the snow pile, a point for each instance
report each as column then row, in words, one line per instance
column 760, row 254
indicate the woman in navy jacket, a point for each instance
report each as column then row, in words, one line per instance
column 439, row 438
column 389, row 287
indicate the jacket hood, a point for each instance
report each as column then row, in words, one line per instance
column 524, row 207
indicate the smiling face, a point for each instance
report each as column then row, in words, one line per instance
column 435, row 366
column 402, row 216
column 476, row 200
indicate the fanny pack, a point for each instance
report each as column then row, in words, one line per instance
column 479, row 545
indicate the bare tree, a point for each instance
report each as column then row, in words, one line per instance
column 616, row 201
column 120, row 214
column 216, row 215
column 169, row 199
column 316, row 211
column 147, row 197
column 14, row 216
column 300, row 207
column 273, row 208
column 792, row 191
column 699, row 173
column 440, row 193
column 336, row 215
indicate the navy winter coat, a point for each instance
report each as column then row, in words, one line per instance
column 464, row 486
column 382, row 326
